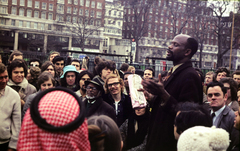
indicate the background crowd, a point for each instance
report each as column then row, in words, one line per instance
column 59, row 105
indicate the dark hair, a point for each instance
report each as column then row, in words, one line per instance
column 216, row 83
column 233, row 86
column 164, row 73
column 82, row 73
column 63, row 81
column 15, row 53
column 3, row 68
column 151, row 69
column 200, row 74
column 105, row 64
column 58, row 58
column 17, row 63
column 192, row 44
column 97, row 60
column 124, row 67
column 192, row 114
column 76, row 60
column 222, row 69
column 46, row 65
column 35, row 59
column 237, row 72
column 45, row 76
column 112, row 139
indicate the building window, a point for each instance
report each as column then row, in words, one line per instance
column 98, row 23
column 22, row 2
column 20, row 23
column 75, row 2
column 86, row 12
column 74, row 19
column 36, row 14
column 21, row 12
column 81, row 12
column 29, row 4
column 60, row 8
column 87, row 3
column 99, row 5
column 68, row 18
column 75, row 10
column 3, row 10
column 43, row 15
column 28, row 24
column 99, row 15
column 50, row 7
column 29, row 13
column 50, row 16
column 14, row 2
column 44, row 5
column 81, row 2
column 14, row 11
column 69, row 9
column 49, row 27
column 13, row 22
column 69, row 1
column 91, row 22
column 92, row 13
column 36, row 4
column 93, row 4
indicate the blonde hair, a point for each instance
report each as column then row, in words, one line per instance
column 113, row 76
column 130, row 68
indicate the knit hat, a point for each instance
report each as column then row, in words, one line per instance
column 69, row 68
column 200, row 138
column 96, row 82
column 55, row 121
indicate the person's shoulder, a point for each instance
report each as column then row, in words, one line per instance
column 9, row 90
column 228, row 112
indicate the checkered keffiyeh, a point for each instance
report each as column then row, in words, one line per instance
column 58, row 108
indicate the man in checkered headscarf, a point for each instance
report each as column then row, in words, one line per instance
column 54, row 122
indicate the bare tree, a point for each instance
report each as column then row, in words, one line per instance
column 85, row 27
column 136, row 19
column 219, row 8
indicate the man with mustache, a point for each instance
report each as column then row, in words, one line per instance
column 82, row 77
column 181, row 85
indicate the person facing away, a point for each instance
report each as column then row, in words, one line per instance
column 182, row 84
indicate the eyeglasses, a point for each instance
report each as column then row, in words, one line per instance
column 113, row 84
column 93, row 88
column 86, row 79
column 210, row 95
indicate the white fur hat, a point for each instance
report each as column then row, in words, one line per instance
column 200, row 138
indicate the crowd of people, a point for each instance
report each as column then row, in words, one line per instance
column 59, row 105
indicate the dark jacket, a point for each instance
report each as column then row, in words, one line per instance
column 124, row 107
column 99, row 107
column 226, row 121
column 183, row 85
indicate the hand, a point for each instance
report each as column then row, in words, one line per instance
column 22, row 102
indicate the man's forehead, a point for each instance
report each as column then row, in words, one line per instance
column 215, row 89
column 74, row 62
column 113, row 79
column 181, row 39
column 70, row 73
column 61, row 61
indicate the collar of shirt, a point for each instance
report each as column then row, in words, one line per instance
column 218, row 111
column 2, row 92
column 230, row 103
column 91, row 102
column 175, row 67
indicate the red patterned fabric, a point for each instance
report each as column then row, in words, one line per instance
column 58, row 108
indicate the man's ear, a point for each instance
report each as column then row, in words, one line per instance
column 225, row 97
column 188, row 52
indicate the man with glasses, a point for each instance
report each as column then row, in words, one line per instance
column 93, row 101
column 58, row 62
column 81, row 78
column 76, row 63
column 115, row 97
column 222, row 115
column 10, row 113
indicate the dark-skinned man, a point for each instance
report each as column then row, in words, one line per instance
column 182, row 84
